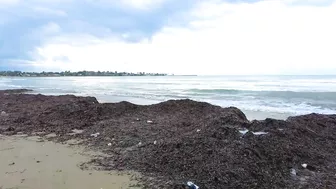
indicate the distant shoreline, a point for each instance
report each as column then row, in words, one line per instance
column 96, row 76
column 75, row 74
column 106, row 76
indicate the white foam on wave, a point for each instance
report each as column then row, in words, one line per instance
column 156, row 89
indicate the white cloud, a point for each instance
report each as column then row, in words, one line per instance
column 267, row 37
column 50, row 28
column 8, row 2
column 48, row 11
column 5, row 4
column 310, row 2
column 143, row 4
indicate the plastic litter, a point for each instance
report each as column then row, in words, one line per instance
column 244, row 131
column 192, row 185
column 198, row 130
column 109, row 144
column 3, row 113
column 260, row 133
column 304, row 165
column 77, row 131
column 155, row 142
column 149, row 121
column 95, row 134
column 293, row 172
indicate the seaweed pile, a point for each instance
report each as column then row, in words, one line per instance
column 183, row 140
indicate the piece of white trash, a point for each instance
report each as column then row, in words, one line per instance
column 198, row 130
column 243, row 131
column 155, row 142
column 293, row 171
column 109, row 144
column 95, row 135
column 3, row 113
column 260, row 133
column 149, row 121
column 304, row 165
column 192, row 185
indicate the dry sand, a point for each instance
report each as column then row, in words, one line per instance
column 28, row 163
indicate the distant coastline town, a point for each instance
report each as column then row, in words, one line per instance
column 68, row 73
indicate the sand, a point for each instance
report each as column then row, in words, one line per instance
column 31, row 163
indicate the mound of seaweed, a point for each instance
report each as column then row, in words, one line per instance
column 183, row 140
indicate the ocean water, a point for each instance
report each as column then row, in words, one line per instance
column 257, row 96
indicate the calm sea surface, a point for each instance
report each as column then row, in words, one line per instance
column 257, row 96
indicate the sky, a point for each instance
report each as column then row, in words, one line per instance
column 209, row 37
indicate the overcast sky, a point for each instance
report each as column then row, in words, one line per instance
column 170, row 36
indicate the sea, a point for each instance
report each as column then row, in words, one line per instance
column 259, row 97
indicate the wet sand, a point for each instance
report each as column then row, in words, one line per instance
column 29, row 163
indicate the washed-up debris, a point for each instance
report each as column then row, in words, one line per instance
column 192, row 185
column 304, row 165
column 13, row 163
column 51, row 135
column 309, row 167
column 218, row 158
column 155, row 142
column 198, row 130
column 3, row 113
column 149, row 121
column 77, row 131
column 293, row 172
column 38, row 133
column 260, row 133
column 95, row 134
column 109, row 144
column 243, row 132
column 140, row 143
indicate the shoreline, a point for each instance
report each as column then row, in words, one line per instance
column 250, row 114
column 169, row 142
column 273, row 95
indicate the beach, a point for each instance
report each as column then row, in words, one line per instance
column 169, row 143
column 36, row 163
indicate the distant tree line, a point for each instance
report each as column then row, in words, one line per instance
column 80, row 73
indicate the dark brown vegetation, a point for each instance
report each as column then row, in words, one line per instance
column 178, row 141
